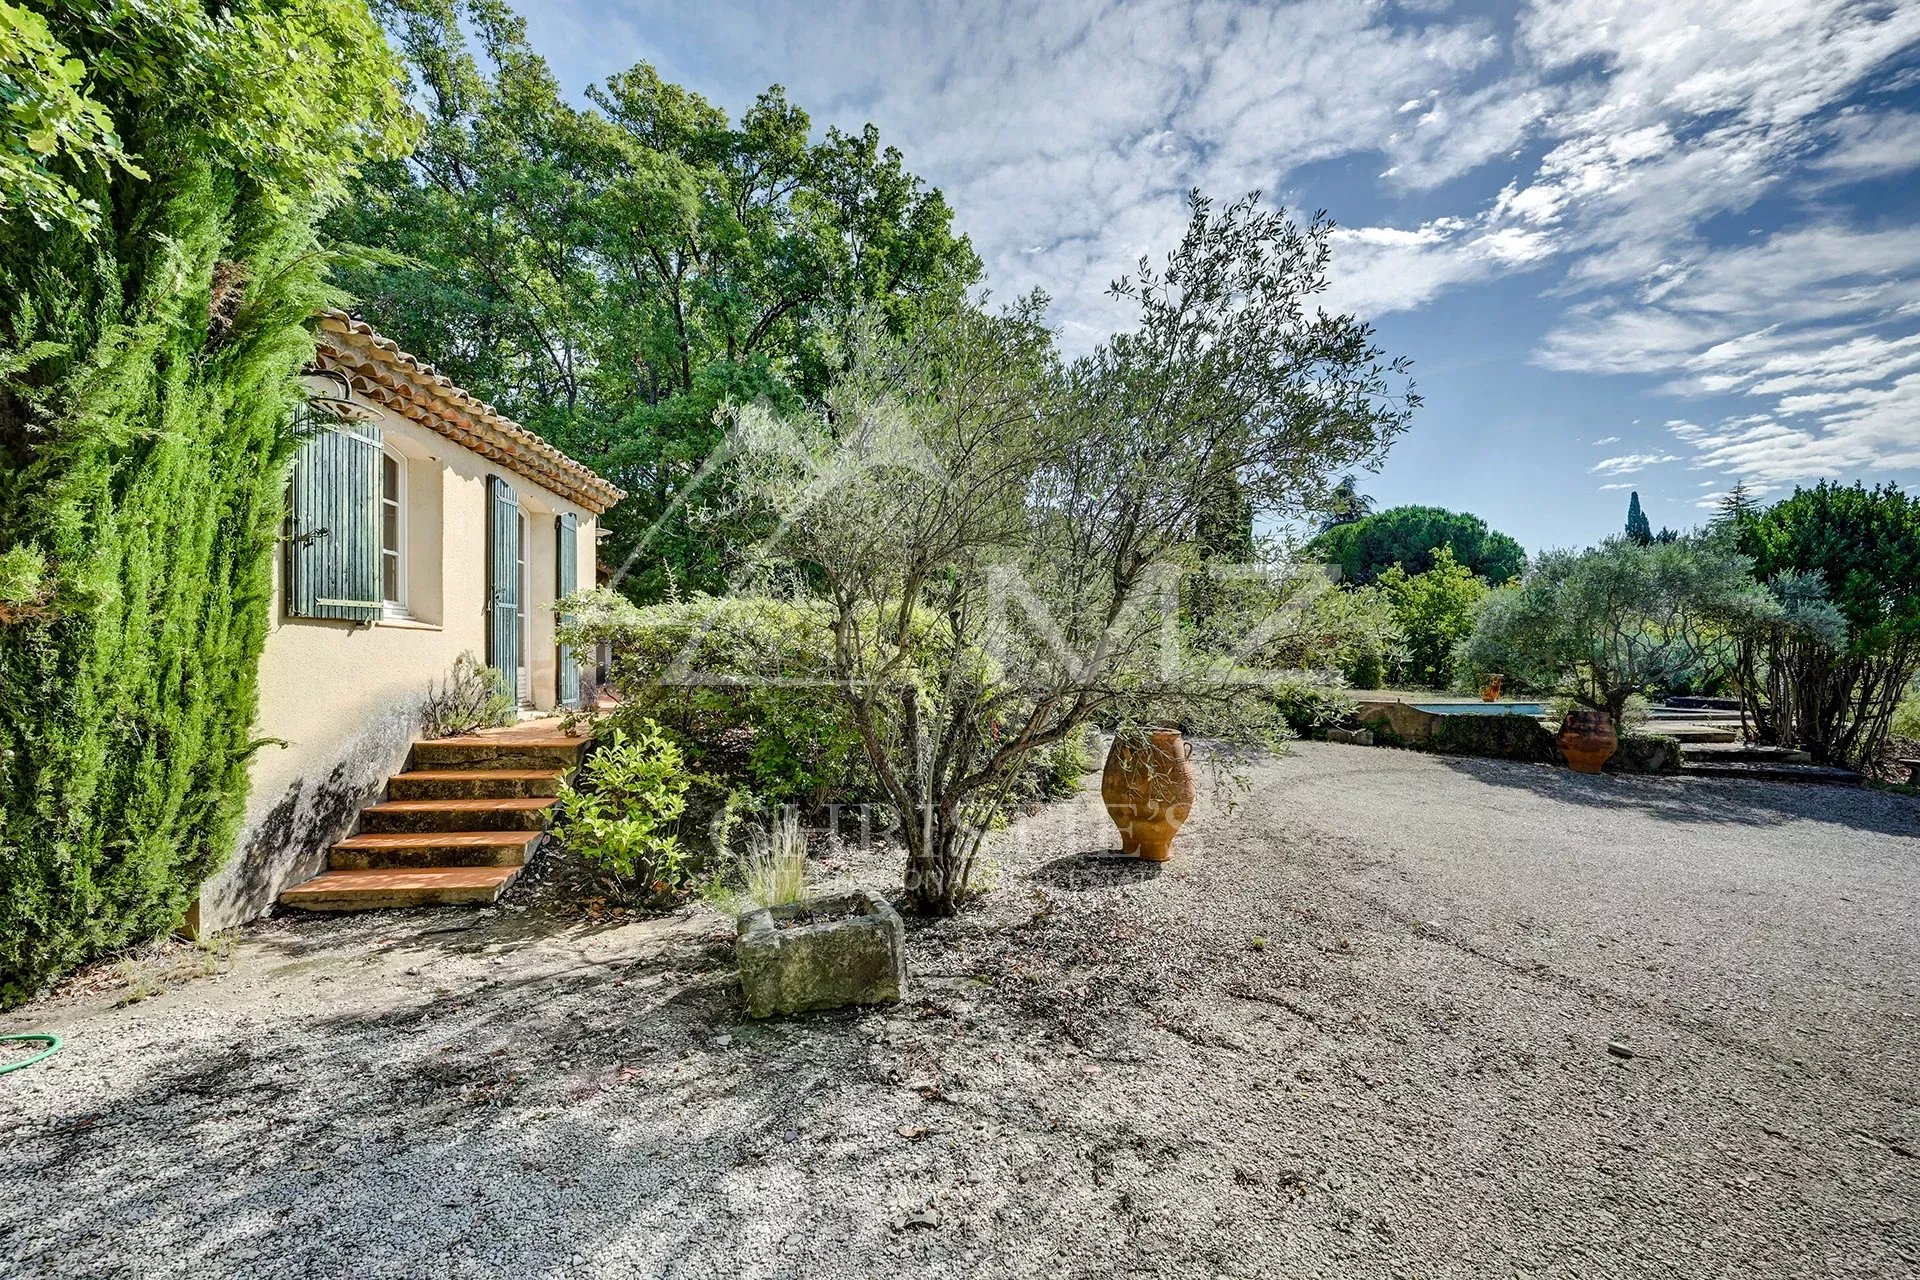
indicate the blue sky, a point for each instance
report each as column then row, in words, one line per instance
column 1628, row 244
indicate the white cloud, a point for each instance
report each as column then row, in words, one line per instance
column 1605, row 440
column 1382, row 269
column 1872, row 146
column 1816, row 326
column 1628, row 463
column 1605, row 149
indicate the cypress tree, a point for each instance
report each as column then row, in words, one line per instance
column 1639, row 528
column 153, row 317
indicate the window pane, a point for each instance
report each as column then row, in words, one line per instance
column 389, row 479
column 390, row 577
column 389, row 527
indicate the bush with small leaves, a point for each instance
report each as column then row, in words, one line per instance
column 623, row 816
column 473, row 696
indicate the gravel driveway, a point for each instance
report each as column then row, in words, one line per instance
column 1359, row 1026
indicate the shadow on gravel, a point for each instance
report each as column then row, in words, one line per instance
column 1094, row 869
column 529, row 1123
column 533, row 911
column 1729, row 802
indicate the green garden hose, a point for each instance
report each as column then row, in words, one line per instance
column 51, row 1041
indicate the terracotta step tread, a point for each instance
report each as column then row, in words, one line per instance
column 501, row 743
column 437, row 839
column 462, row 805
column 479, row 775
column 411, row 877
column 401, row 887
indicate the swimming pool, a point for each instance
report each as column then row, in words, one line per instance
column 1482, row 708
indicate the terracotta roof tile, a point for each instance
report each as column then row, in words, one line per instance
column 404, row 383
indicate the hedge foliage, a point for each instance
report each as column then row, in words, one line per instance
column 153, row 315
column 738, row 683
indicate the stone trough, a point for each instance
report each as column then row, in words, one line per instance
column 821, row 954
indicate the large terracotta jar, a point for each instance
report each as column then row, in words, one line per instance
column 1588, row 740
column 1148, row 789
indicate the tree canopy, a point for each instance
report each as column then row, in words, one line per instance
column 1827, row 531
column 1851, row 552
column 1623, row 618
column 1408, row 536
column 610, row 276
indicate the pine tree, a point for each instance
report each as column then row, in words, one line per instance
column 1738, row 504
column 1639, row 528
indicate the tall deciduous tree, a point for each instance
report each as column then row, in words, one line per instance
column 610, row 276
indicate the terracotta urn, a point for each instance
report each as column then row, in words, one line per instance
column 1148, row 789
column 1490, row 692
column 1588, row 740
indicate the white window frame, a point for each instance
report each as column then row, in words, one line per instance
column 395, row 608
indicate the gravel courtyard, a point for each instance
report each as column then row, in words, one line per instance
column 1358, row 1026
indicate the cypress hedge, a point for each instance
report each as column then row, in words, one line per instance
column 154, row 315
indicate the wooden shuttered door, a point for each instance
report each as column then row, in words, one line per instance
column 333, row 526
column 503, row 581
column 567, row 560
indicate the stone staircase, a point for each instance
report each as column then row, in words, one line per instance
column 1761, row 764
column 455, row 829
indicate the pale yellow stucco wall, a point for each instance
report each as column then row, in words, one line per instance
column 345, row 697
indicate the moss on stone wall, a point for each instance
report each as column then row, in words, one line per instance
column 1509, row 737
column 1646, row 753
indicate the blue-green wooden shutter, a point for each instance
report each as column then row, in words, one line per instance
column 567, row 558
column 503, row 581
column 333, row 526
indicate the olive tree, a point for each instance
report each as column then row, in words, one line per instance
column 997, row 535
column 1843, row 562
column 1602, row 625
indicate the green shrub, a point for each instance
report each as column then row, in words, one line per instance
column 1906, row 717
column 1303, row 621
column 736, row 681
column 473, row 696
column 1435, row 612
column 1062, row 765
column 1367, row 671
column 1309, row 703
column 623, row 816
